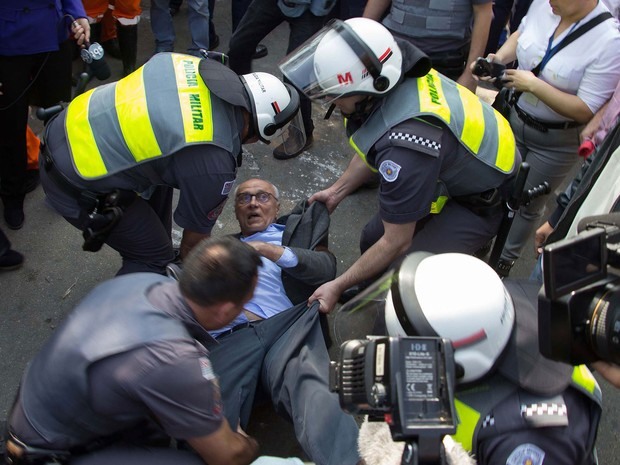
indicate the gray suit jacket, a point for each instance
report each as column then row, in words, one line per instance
column 306, row 234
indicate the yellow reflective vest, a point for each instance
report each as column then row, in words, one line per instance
column 474, row 404
column 480, row 129
column 154, row 112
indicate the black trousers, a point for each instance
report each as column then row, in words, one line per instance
column 262, row 17
column 42, row 79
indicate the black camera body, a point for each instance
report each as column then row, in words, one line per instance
column 486, row 68
column 579, row 304
column 408, row 382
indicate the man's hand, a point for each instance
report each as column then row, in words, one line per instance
column 609, row 371
column 327, row 295
column 270, row 251
column 327, row 197
column 541, row 236
column 81, row 31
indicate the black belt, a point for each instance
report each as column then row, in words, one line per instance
column 543, row 126
column 247, row 324
column 86, row 199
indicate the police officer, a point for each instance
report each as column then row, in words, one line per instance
column 177, row 122
column 443, row 156
column 514, row 406
column 129, row 366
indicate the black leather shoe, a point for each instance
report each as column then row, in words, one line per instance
column 280, row 154
column 260, row 52
column 11, row 260
column 14, row 217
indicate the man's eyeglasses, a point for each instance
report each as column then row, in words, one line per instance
column 261, row 197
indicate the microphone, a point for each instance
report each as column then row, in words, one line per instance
column 92, row 55
column 44, row 114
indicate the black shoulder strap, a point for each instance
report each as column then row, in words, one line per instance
column 581, row 30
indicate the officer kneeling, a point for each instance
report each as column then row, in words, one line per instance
column 514, row 406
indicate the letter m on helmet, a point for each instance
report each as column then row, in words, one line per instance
column 346, row 78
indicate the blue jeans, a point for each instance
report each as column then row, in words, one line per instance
column 163, row 28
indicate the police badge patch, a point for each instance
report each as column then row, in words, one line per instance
column 389, row 170
column 526, row 454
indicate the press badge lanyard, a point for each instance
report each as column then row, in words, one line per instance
column 551, row 51
column 574, row 34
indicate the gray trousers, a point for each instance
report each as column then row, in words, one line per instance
column 286, row 357
column 551, row 156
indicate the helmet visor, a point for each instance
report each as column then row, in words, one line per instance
column 317, row 68
column 291, row 137
column 364, row 315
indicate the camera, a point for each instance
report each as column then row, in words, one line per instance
column 408, row 382
column 579, row 304
column 486, row 68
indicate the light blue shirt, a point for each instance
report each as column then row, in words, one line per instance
column 269, row 297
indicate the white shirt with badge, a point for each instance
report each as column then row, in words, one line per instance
column 589, row 67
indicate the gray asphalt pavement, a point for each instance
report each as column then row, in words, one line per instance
column 57, row 273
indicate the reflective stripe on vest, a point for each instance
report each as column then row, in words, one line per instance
column 157, row 110
column 468, row 420
column 429, row 19
column 474, row 405
column 481, row 130
column 583, row 380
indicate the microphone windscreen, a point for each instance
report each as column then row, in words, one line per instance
column 100, row 69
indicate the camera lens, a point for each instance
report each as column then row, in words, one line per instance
column 605, row 325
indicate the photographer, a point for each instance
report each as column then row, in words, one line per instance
column 514, row 405
column 558, row 87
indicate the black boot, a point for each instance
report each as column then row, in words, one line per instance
column 128, row 42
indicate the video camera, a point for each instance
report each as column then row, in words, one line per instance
column 579, row 305
column 408, row 382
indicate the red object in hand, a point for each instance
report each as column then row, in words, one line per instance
column 586, row 148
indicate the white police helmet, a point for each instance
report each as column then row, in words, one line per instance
column 458, row 297
column 275, row 106
column 356, row 57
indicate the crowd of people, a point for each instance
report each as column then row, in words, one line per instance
column 165, row 362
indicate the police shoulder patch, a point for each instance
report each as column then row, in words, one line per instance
column 389, row 170
column 417, row 134
column 526, row 454
column 422, row 144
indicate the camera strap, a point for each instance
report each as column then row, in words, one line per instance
column 574, row 35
